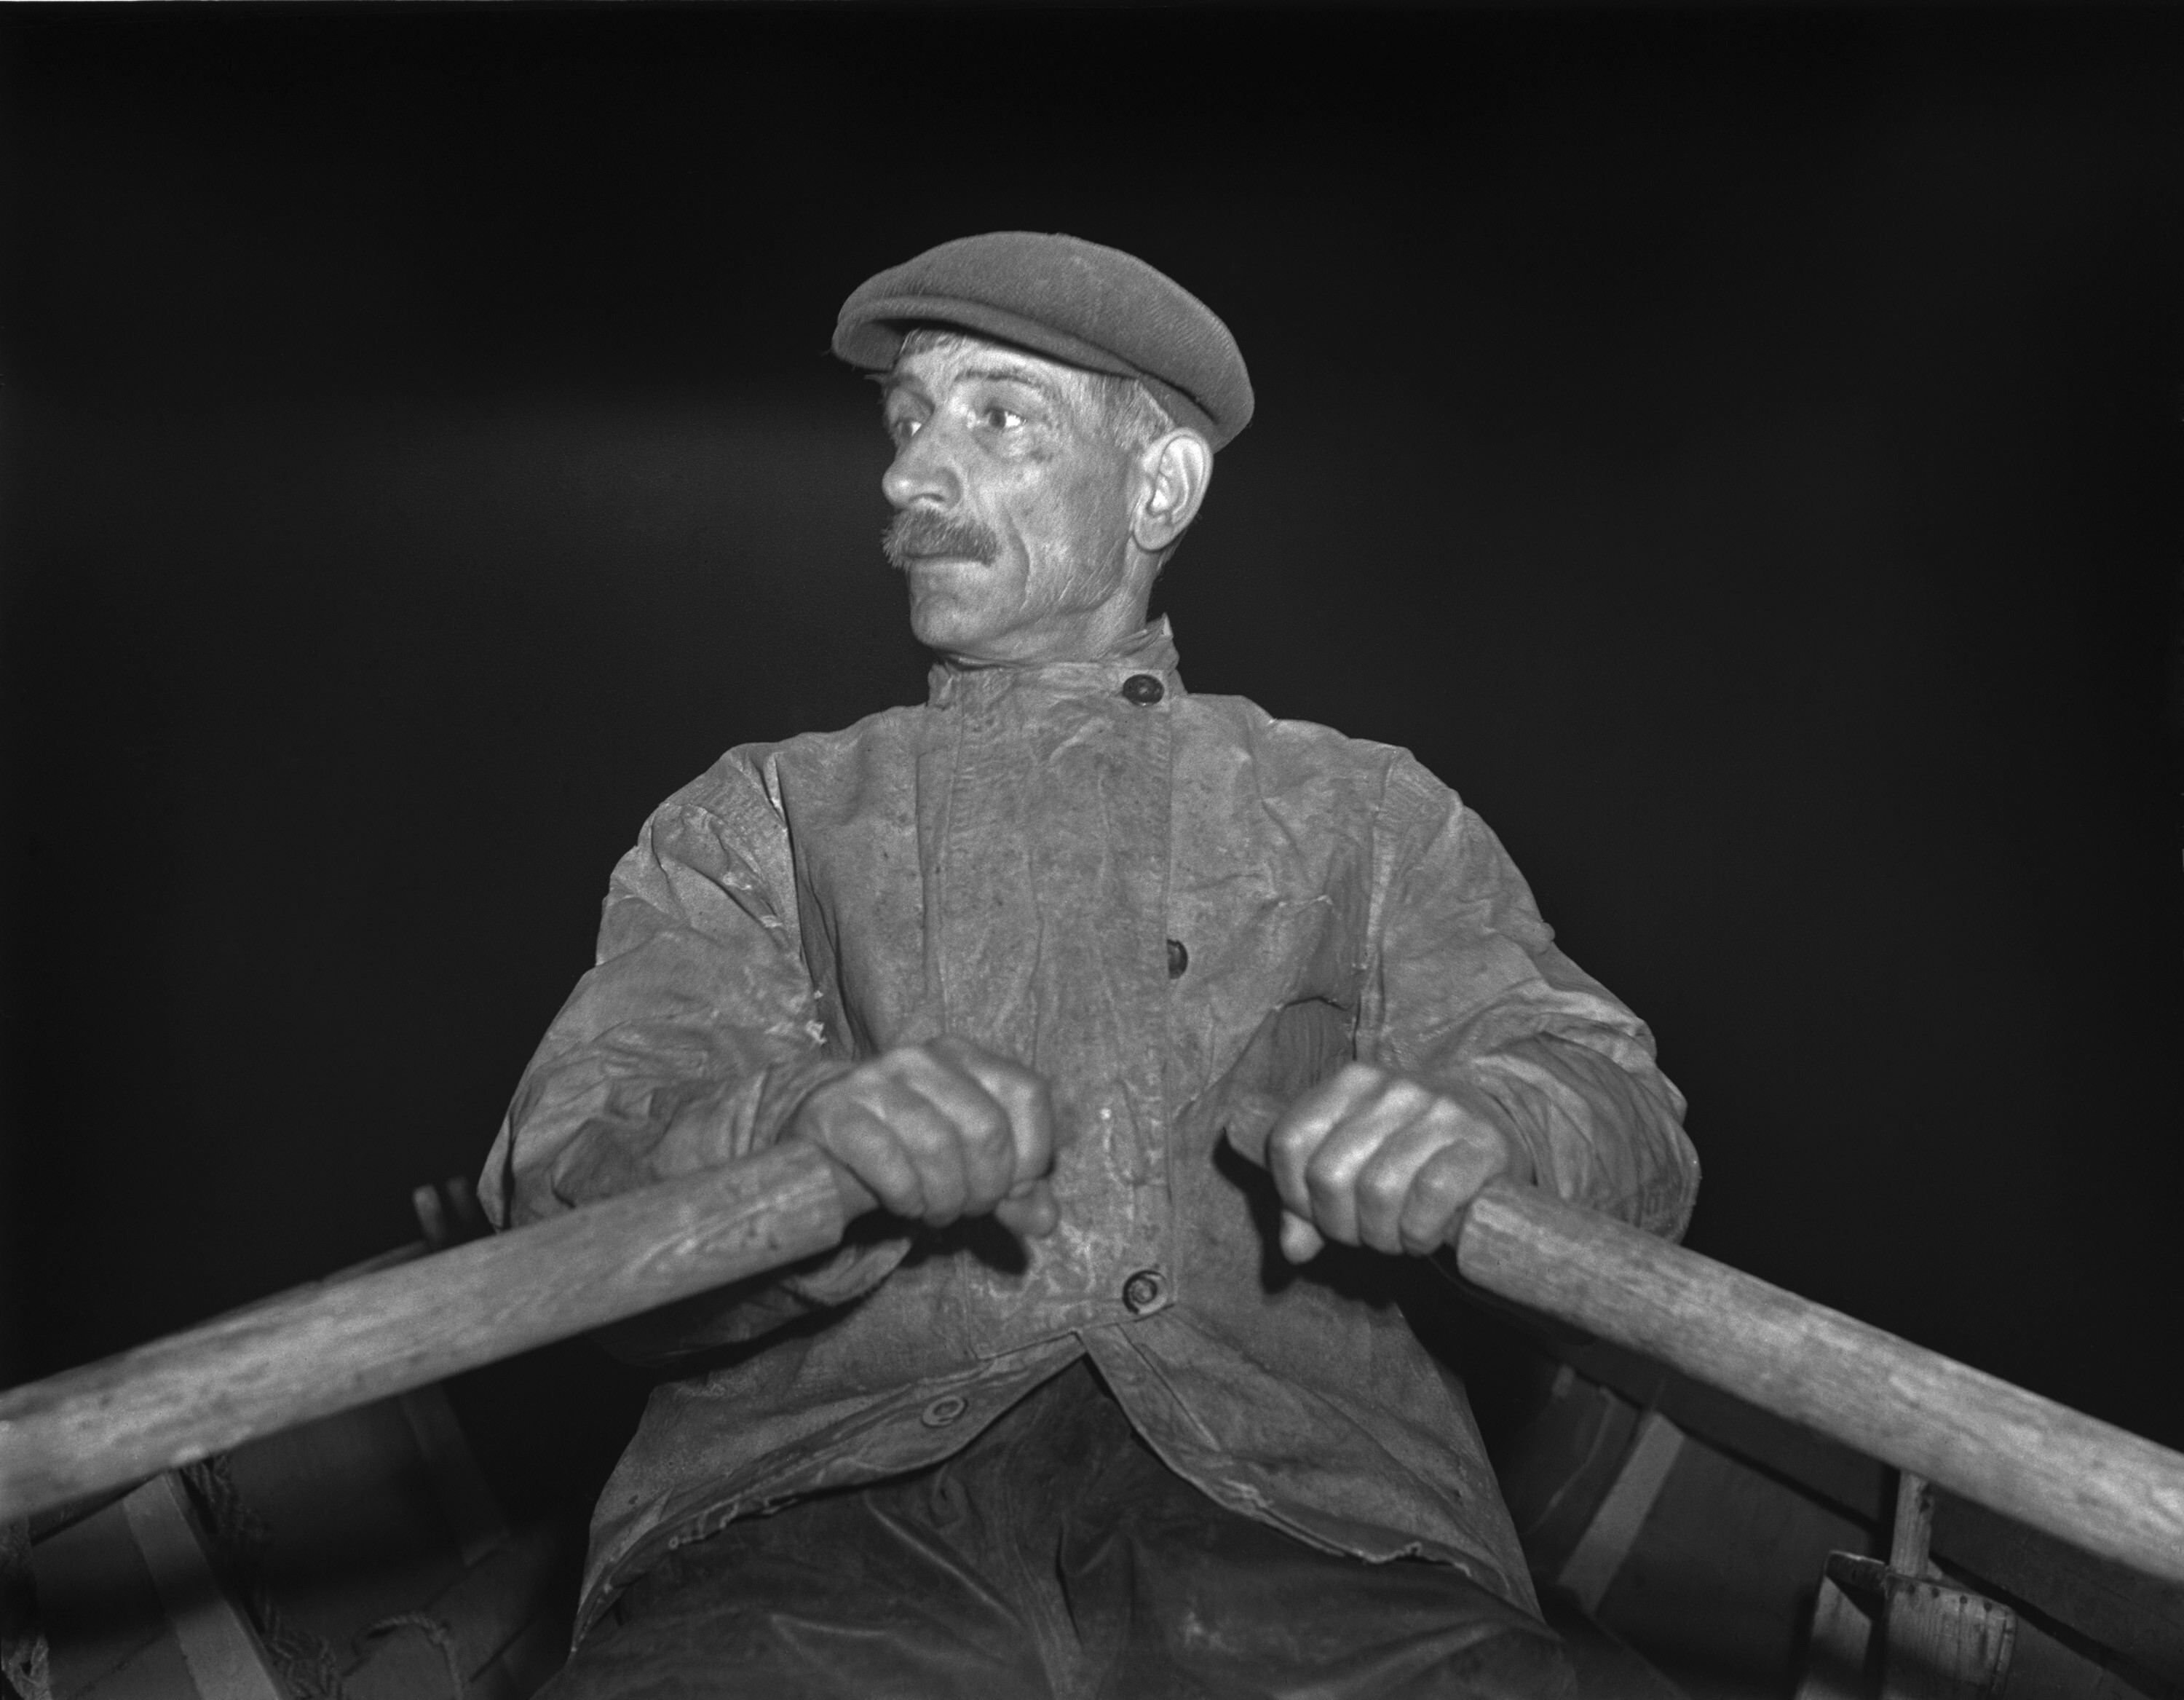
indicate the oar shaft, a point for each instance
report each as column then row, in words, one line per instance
column 323, row 1350
column 2092, row 1484
column 2095, row 1485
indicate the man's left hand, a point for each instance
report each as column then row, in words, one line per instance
column 1371, row 1157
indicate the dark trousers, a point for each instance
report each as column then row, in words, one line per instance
column 1055, row 1557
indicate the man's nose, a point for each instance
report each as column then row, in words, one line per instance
column 923, row 474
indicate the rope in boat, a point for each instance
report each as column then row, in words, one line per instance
column 435, row 1631
column 309, row 1667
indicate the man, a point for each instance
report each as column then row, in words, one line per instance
column 1056, row 1419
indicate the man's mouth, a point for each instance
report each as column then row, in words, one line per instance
column 917, row 536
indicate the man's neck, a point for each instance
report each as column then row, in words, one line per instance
column 1105, row 632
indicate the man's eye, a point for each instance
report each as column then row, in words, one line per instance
column 902, row 430
column 1000, row 419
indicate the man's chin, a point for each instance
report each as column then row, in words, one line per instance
column 949, row 624
column 942, row 629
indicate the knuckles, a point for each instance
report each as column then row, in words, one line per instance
column 1324, row 1181
column 935, row 1129
column 987, row 1125
column 1325, row 1159
column 1446, row 1177
column 1290, row 1144
column 1382, row 1189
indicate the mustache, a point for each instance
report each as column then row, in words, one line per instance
column 918, row 531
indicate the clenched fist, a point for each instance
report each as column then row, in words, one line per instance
column 1373, row 1158
column 941, row 1130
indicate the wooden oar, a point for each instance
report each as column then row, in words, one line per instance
column 324, row 1349
column 2094, row 1485
column 309, row 1354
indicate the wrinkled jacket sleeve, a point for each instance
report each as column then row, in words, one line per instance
column 689, row 1044
column 1466, row 984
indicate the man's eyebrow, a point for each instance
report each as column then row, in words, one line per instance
column 896, row 380
column 1030, row 376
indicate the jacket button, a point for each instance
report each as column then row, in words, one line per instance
column 1144, row 689
column 1145, row 1292
column 1178, row 959
column 944, row 1410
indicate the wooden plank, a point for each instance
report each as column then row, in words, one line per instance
column 1622, row 1511
column 1607, row 1667
column 96, row 1602
column 1721, row 1576
column 1554, row 1472
column 1942, row 1642
column 2044, row 1667
column 1879, row 1630
column 1914, row 1535
column 1838, row 1653
column 324, row 1350
column 225, row 1659
column 1934, row 1641
column 473, row 1519
column 156, row 1672
column 2139, row 1616
column 1848, row 1481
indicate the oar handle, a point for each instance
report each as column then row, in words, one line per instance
column 2094, row 1485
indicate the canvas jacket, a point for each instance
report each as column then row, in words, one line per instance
column 1163, row 903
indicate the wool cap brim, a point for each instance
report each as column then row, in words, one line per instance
column 1071, row 300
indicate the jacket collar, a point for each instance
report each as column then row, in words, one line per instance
column 1149, row 650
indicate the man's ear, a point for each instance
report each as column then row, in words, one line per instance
column 1175, row 468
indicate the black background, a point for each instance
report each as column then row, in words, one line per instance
column 1737, row 449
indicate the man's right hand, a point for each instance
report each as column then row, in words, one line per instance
column 939, row 1131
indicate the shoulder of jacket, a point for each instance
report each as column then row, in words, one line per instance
column 751, row 774
column 1309, row 743
column 1307, row 760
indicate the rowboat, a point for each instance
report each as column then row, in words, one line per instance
column 1722, row 1489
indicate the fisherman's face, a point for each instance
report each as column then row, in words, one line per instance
column 1012, row 504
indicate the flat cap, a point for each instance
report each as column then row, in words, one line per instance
column 1071, row 300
